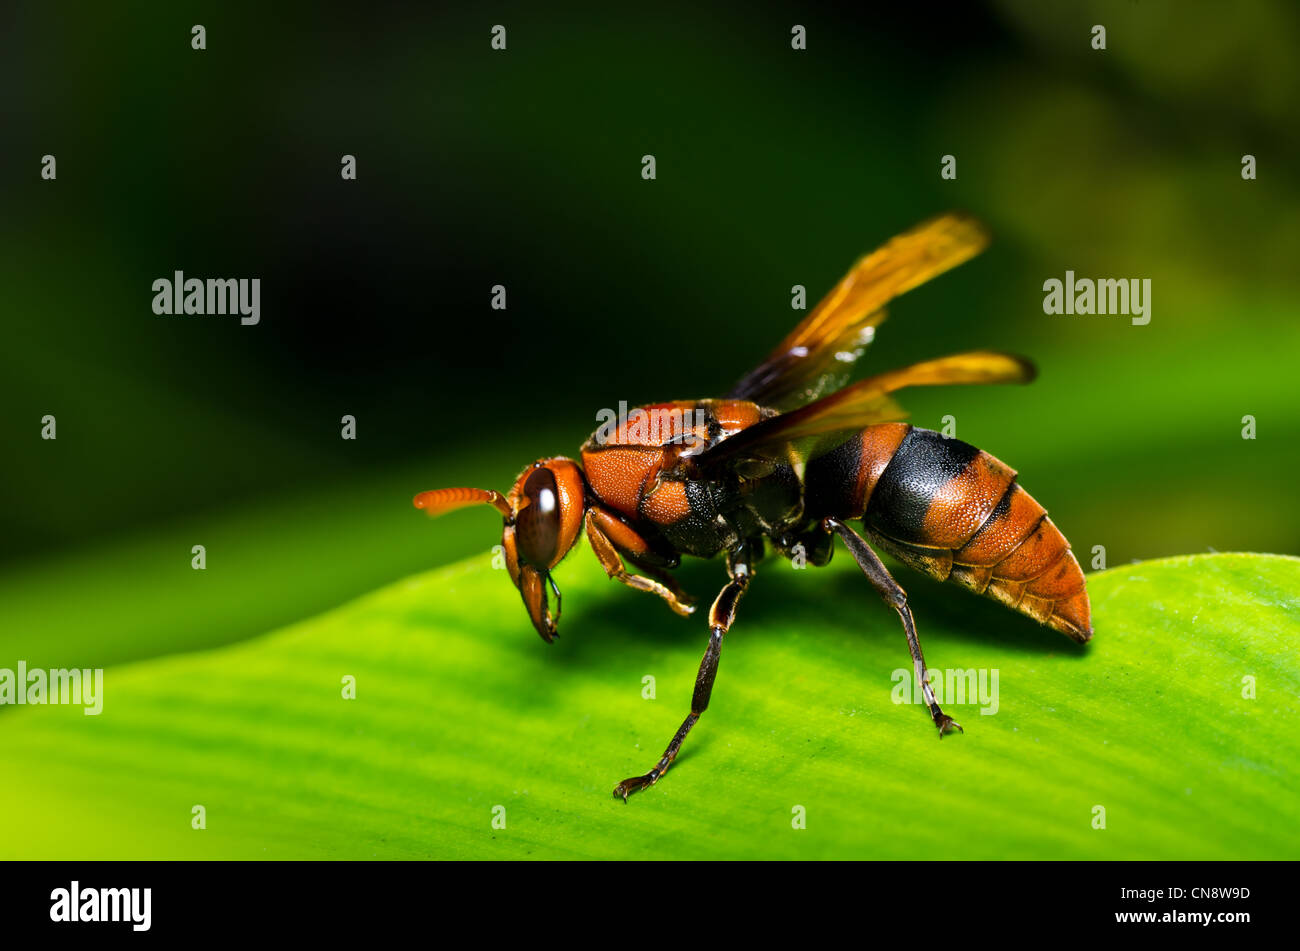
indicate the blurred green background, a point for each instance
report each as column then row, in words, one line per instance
column 522, row 168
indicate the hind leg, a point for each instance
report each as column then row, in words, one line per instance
column 894, row 595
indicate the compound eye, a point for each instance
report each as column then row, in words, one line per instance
column 537, row 528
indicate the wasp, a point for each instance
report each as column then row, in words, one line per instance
column 784, row 462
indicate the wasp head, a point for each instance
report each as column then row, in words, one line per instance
column 541, row 518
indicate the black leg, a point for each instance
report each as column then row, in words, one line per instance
column 721, row 615
column 896, row 598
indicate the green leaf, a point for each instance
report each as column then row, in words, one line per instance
column 460, row 708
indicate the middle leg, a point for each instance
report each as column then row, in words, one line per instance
column 723, row 612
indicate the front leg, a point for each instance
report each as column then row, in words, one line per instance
column 720, row 617
column 609, row 536
column 894, row 595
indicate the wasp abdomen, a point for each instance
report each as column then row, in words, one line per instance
column 841, row 482
column 957, row 513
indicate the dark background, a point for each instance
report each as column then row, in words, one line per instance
column 522, row 168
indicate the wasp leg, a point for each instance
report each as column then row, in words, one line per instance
column 894, row 595
column 664, row 578
column 721, row 615
column 599, row 526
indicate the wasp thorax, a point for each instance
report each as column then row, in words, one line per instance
column 537, row 523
